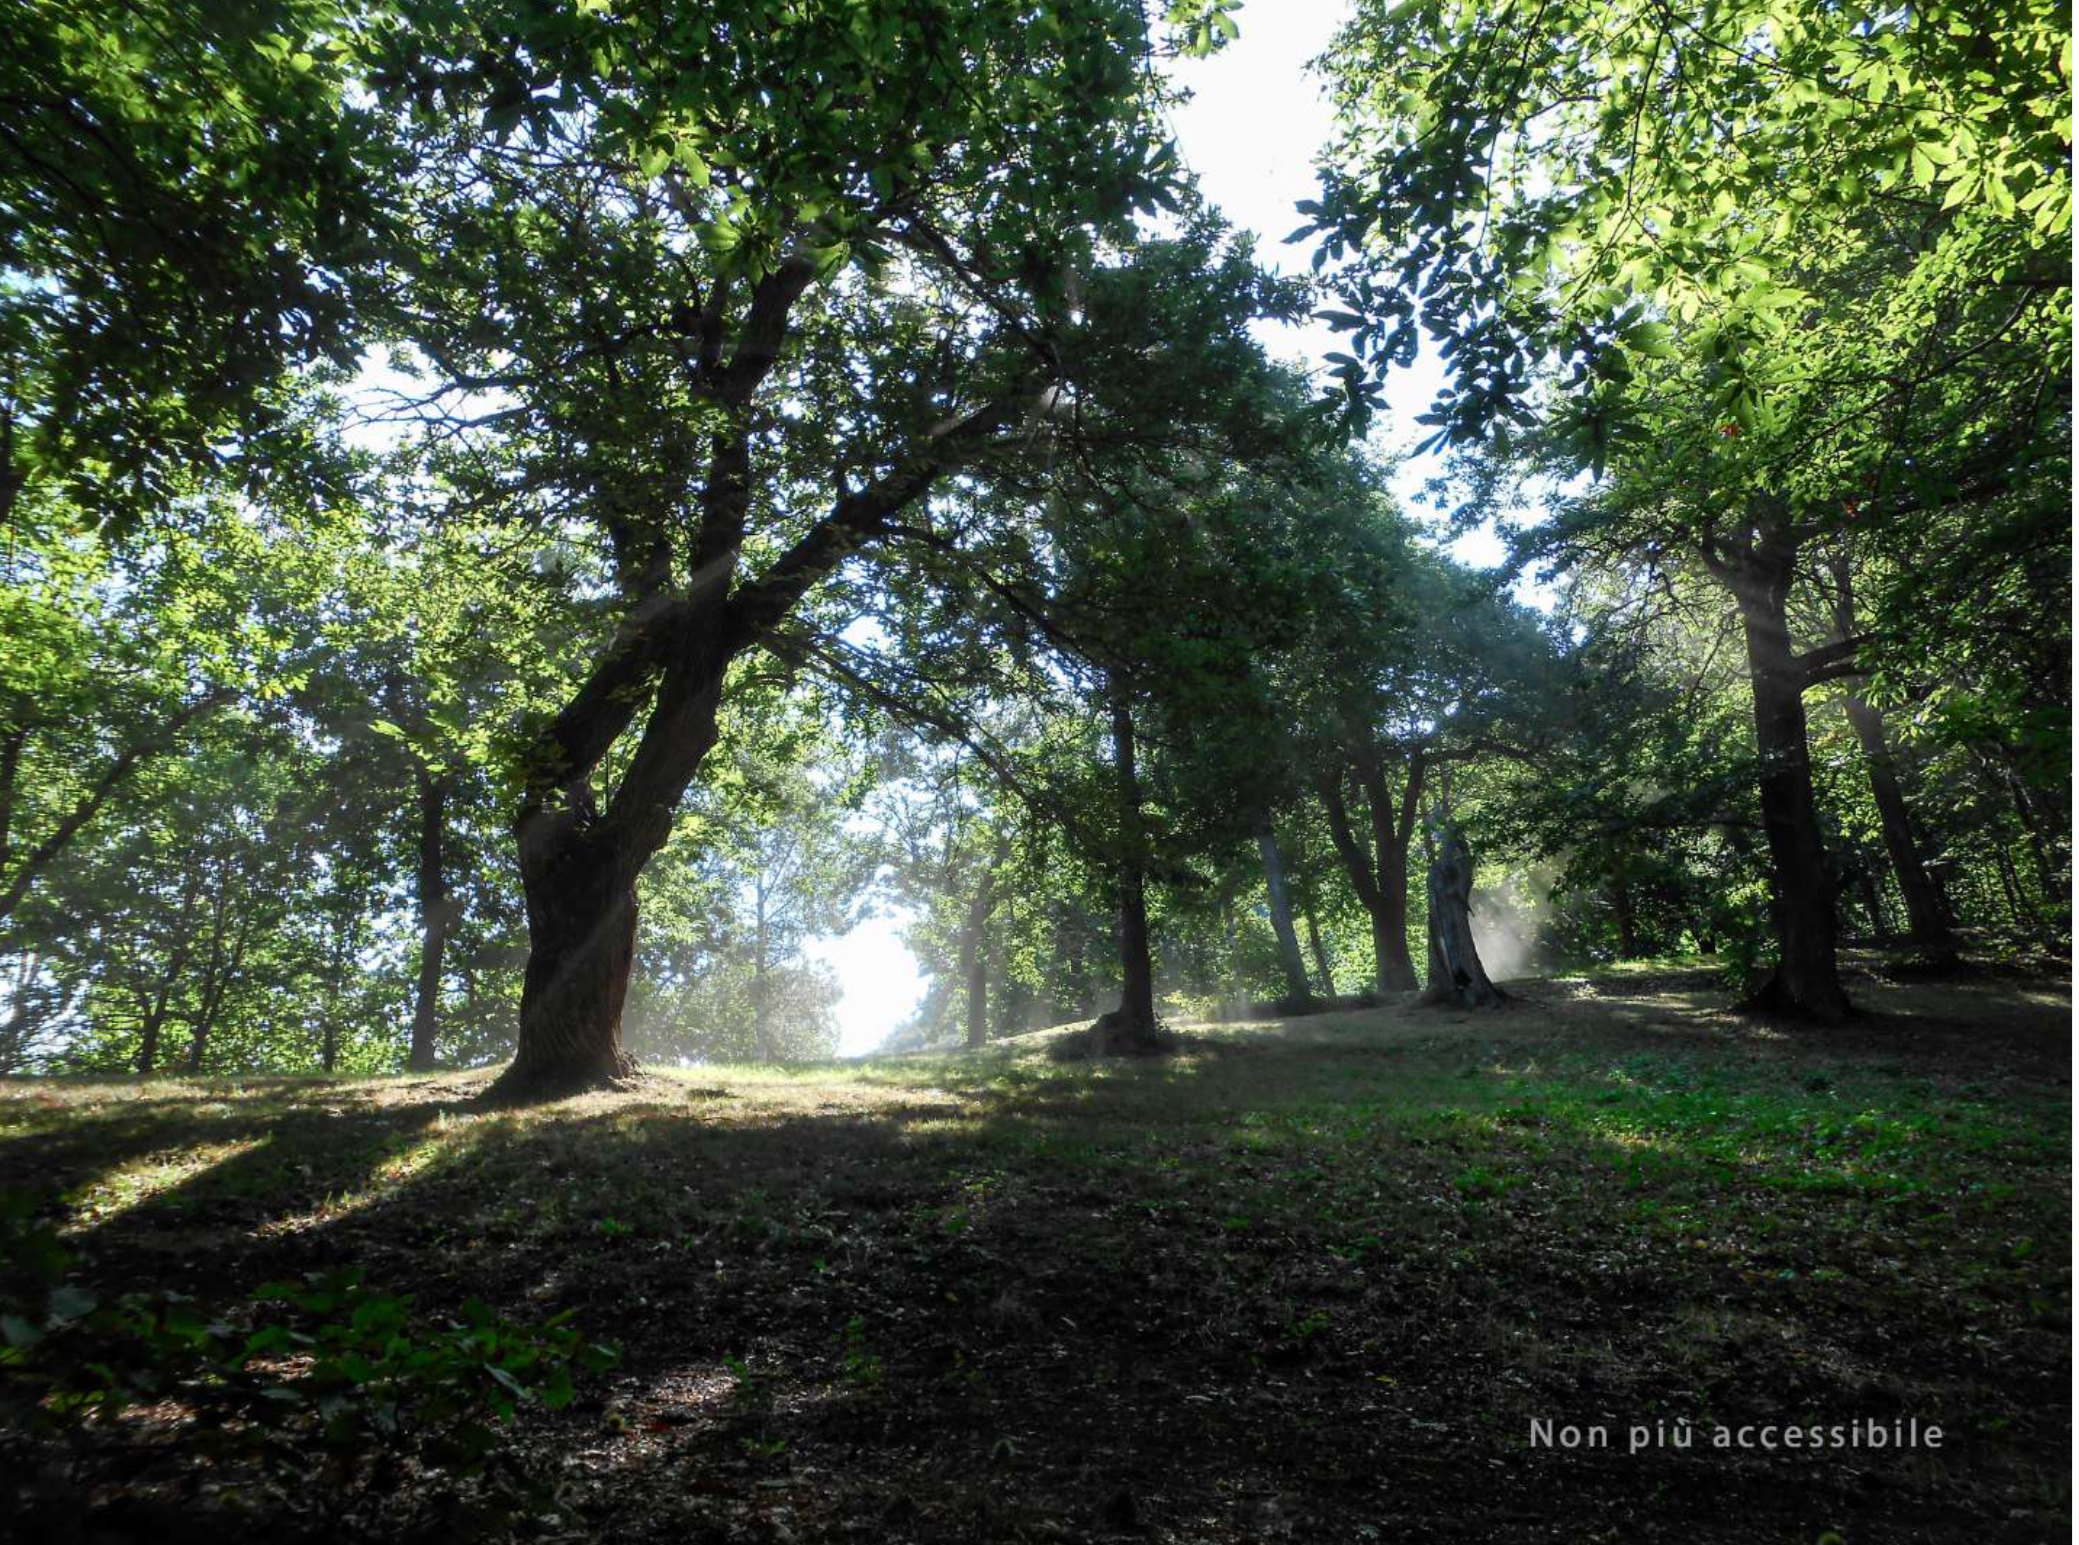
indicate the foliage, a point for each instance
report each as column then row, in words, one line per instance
column 328, row 1362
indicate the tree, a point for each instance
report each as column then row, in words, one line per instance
column 1812, row 260
column 189, row 199
column 712, row 310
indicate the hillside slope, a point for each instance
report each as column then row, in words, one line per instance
column 1311, row 1279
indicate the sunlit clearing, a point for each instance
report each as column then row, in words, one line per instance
column 142, row 1179
column 403, row 1164
column 882, row 984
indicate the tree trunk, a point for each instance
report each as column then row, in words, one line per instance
column 1873, row 903
column 578, row 868
column 219, row 973
column 435, row 918
column 581, row 949
column 1456, row 974
column 1627, row 913
column 1319, row 950
column 1380, row 878
column 1806, row 982
column 761, row 1009
column 1927, row 921
column 149, row 1031
column 974, row 948
column 978, row 999
column 1134, row 1020
column 1297, row 991
column 2010, row 885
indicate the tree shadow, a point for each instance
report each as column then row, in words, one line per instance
column 1287, row 1285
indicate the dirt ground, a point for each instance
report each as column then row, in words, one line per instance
column 1314, row 1279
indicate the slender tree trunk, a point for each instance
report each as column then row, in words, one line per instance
column 153, row 1025
column 2010, row 884
column 226, row 955
column 761, row 1014
column 974, row 947
column 1136, row 1012
column 1320, row 951
column 978, row 999
column 328, row 1041
column 1297, row 991
column 2032, row 826
column 1927, row 921
column 150, row 1030
column 1627, row 913
column 1392, row 828
column 1806, row 982
column 435, row 918
column 1069, row 1000
column 1873, row 903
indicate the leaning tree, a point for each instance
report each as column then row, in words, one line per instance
column 735, row 288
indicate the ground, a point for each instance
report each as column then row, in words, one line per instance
column 1312, row 1279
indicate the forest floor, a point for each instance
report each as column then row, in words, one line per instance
column 1312, row 1279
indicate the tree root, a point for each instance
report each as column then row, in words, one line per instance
column 1112, row 1035
column 525, row 1083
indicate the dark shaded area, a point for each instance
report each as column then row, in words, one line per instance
column 1310, row 1283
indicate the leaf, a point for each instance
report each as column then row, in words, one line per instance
column 1655, row 340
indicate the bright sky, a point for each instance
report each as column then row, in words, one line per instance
column 1256, row 119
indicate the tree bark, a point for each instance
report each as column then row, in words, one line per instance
column 974, row 950
column 1137, row 966
column 1873, row 903
column 1379, row 878
column 761, row 1013
column 1134, row 1020
column 1627, row 913
column 1927, row 920
column 581, row 915
column 435, row 918
column 670, row 657
column 1320, row 952
column 1806, row 982
column 1298, row 991
column 978, row 999
column 1456, row 974
column 151, row 1027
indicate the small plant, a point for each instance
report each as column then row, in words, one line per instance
column 862, row 1367
column 328, row 1361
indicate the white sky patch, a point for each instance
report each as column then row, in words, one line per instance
column 882, row 981
column 1256, row 120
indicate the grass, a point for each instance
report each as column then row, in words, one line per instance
column 1311, row 1279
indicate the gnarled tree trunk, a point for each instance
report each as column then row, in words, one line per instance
column 1455, row 972
column 581, row 918
column 1379, row 878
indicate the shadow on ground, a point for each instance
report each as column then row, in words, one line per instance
column 1311, row 1280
